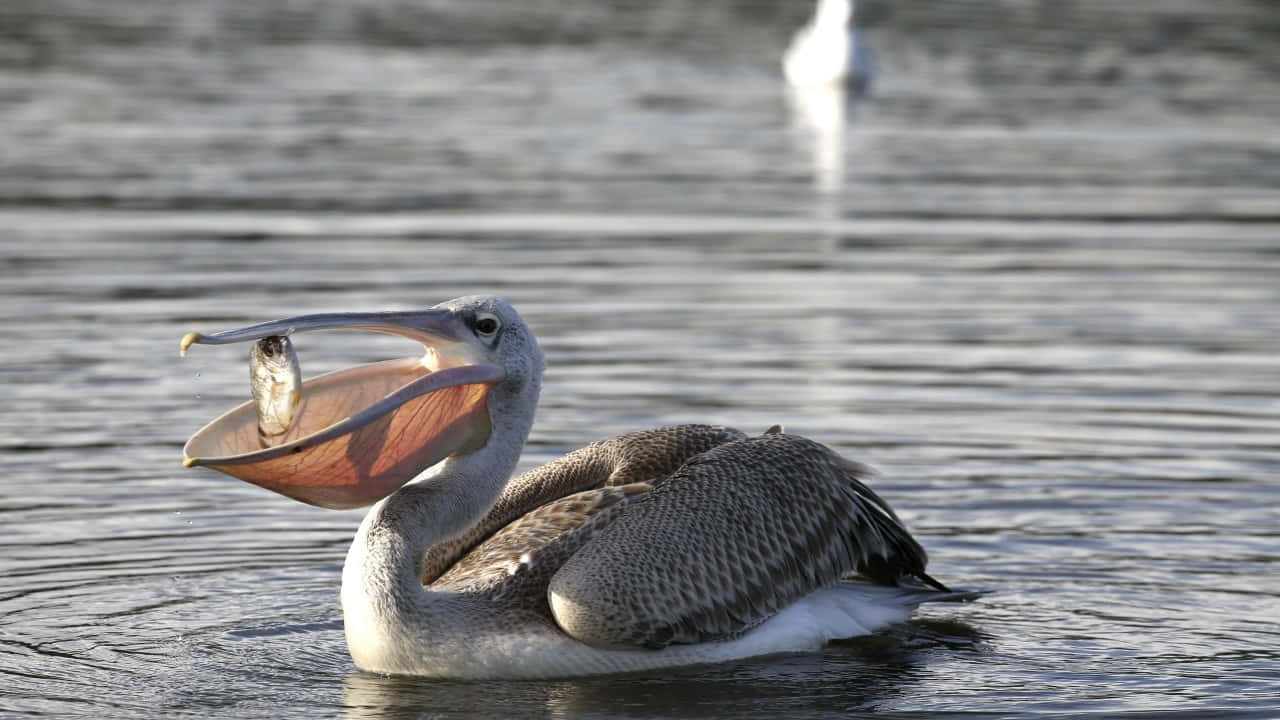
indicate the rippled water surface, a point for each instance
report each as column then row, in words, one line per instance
column 1034, row 279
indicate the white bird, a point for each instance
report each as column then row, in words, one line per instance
column 660, row 548
column 829, row 50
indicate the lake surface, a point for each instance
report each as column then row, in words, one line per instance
column 1033, row 278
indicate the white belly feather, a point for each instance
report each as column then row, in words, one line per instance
column 841, row 611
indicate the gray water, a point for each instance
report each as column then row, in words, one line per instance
column 1034, row 279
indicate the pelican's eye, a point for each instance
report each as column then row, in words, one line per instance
column 487, row 325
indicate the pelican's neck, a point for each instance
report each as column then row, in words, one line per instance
column 386, row 609
column 441, row 505
column 832, row 14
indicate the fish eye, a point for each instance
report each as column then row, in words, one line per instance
column 487, row 324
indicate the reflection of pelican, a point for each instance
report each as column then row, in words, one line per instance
column 820, row 111
column 666, row 547
column 829, row 51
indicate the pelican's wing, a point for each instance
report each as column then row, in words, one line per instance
column 517, row 561
column 647, row 456
column 735, row 535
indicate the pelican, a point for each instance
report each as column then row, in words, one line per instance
column 829, row 50
column 660, row 548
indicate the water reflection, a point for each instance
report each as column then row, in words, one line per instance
column 819, row 116
column 761, row 689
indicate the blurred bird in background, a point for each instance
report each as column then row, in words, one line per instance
column 828, row 50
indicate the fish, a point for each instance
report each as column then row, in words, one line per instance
column 275, row 378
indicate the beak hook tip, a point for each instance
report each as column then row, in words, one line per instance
column 187, row 341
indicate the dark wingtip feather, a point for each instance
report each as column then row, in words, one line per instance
column 934, row 583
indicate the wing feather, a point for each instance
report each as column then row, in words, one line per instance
column 738, row 533
column 536, row 544
column 647, row 456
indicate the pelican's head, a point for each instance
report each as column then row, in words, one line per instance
column 834, row 13
column 361, row 433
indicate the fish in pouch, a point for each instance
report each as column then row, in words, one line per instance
column 275, row 377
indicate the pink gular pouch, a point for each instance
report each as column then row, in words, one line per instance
column 362, row 432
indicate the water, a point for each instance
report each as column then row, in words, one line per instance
column 1033, row 280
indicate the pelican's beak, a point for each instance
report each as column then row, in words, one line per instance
column 360, row 433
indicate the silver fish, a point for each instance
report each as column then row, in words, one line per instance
column 275, row 377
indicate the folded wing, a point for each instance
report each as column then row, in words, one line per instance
column 736, row 534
